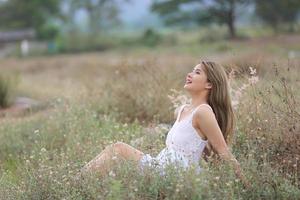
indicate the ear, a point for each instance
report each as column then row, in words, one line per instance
column 208, row 85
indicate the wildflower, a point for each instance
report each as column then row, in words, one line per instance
column 231, row 75
column 253, row 80
column 178, row 98
column 114, row 158
column 228, row 183
column 111, row 173
column 252, row 71
column 43, row 150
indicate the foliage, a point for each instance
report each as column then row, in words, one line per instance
column 19, row 14
column 40, row 158
column 201, row 12
column 150, row 37
column 48, row 31
column 84, row 42
column 286, row 12
column 6, row 89
column 101, row 13
column 41, row 154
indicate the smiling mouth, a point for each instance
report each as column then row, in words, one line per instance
column 188, row 82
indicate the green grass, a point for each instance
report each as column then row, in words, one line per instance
column 95, row 102
column 40, row 157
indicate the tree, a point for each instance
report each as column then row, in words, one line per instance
column 276, row 12
column 19, row 14
column 101, row 13
column 199, row 11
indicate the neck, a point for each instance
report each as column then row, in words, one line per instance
column 198, row 98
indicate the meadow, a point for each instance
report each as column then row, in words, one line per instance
column 91, row 100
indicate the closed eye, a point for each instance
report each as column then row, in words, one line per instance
column 196, row 71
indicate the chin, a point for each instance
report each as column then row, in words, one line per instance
column 187, row 87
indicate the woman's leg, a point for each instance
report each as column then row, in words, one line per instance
column 111, row 154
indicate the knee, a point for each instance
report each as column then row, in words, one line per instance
column 116, row 147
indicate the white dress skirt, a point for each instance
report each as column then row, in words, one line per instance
column 184, row 147
column 168, row 157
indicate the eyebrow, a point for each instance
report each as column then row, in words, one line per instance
column 197, row 69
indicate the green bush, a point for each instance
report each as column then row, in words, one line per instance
column 150, row 38
column 79, row 42
column 6, row 89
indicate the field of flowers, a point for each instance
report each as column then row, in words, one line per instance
column 95, row 99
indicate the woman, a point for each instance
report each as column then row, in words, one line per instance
column 207, row 120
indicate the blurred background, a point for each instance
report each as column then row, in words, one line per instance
column 71, row 26
column 78, row 75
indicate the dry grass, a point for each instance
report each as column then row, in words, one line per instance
column 96, row 99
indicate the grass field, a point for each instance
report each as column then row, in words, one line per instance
column 94, row 99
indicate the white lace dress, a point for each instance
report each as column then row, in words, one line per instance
column 184, row 146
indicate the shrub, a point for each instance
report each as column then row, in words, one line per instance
column 272, row 122
column 138, row 92
column 6, row 90
column 150, row 38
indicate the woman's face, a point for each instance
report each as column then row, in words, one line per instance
column 196, row 81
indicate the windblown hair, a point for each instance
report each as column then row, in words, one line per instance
column 219, row 97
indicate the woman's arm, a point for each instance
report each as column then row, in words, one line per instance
column 208, row 125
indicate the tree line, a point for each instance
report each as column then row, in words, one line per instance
column 271, row 12
column 102, row 14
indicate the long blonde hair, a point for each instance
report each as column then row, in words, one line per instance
column 219, row 97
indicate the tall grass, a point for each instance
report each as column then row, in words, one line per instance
column 272, row 122
column 139, row 90
column 40, row 155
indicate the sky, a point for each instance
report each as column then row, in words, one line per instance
column 135, row 10
column 136, row 14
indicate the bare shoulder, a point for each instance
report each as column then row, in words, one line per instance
column 204, row 113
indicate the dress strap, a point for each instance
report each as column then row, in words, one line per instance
column 180, row 111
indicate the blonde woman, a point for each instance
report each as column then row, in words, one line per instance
column 207, row 120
